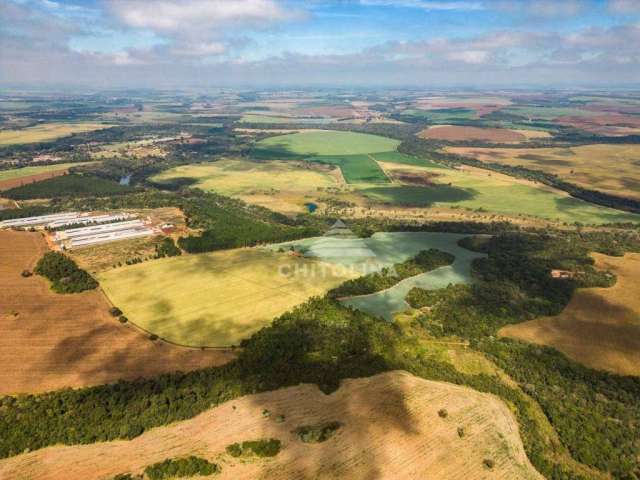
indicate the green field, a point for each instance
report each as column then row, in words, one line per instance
column 348, row 150
column 493, row 193
column 444, row 115
column 259, row 118
column 397, row 157
column 215, row 299
column 324, row 142
column 28, row 171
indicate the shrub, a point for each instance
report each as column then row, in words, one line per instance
column 260, row 448
column 26, row 273
column 153, row 337
column 487, row 462
column 181, row 467
column 317, row 433
column 64, row 274
column 461, row 432
column 442, row 413
column 123, row 319
column 167, row 248
column 115, row 311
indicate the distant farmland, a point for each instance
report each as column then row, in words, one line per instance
column 46, row 131
column 613, row 169
column 492, row 192
column 20, row 176
column 459, row 133
column 351, row 151
column 281, row 185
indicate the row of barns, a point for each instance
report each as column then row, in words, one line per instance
column 75, row 230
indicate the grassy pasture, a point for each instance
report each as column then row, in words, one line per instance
column 600, row 327
column 215, row 299
column 492, row 192
column 323, row 142
column 444, row 115
column 612, row 169
column 355, row 168
column 46, row 131
column 283, row 185
column 28, row 171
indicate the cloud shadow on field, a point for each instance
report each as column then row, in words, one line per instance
column 419, row 196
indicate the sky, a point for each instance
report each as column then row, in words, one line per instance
column 312, row 43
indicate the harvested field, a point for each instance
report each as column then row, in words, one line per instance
column 613, row 124
column 601, row 326
column 21, row 176
column 609, row 168
column 390, row 429
column 50, row 341
column 453, row 133
column 215, row 299
column 46, row 131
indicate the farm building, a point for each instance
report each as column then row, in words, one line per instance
column 104, row 233
column 39, row 221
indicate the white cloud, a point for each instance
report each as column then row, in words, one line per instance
column 624, row 6
column 181, row 16
column 425, row 5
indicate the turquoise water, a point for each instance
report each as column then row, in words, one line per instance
column 311, row 207
column 385, row 249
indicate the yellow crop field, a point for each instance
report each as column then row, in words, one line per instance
column 613, row 169
column 46, row 132
column 215, row 299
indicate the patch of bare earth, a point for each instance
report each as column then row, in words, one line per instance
column 455, row 133
column 600, row 327
column 391, row 429
column 50, row 341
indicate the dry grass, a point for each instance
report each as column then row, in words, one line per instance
column 46, row 131
column 608, row 168
column 601, row 326
column 215, row 299
column 455, row 133
column 50, row 341
column 391, row 429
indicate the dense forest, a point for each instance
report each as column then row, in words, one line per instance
column 63, row 273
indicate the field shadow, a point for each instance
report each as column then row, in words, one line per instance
column 414, row 196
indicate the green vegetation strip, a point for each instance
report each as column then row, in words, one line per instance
column 317, row 433
column 259, row 448
column 423, row 262
column 181, row 467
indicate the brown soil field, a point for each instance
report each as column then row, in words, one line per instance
column 16, row 182
column 600, row 327
column 390, row 429
column 606, row 124
column 455, row 133
column 609, row 168
column 50, row 341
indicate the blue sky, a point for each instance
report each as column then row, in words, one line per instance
column 349, row 42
